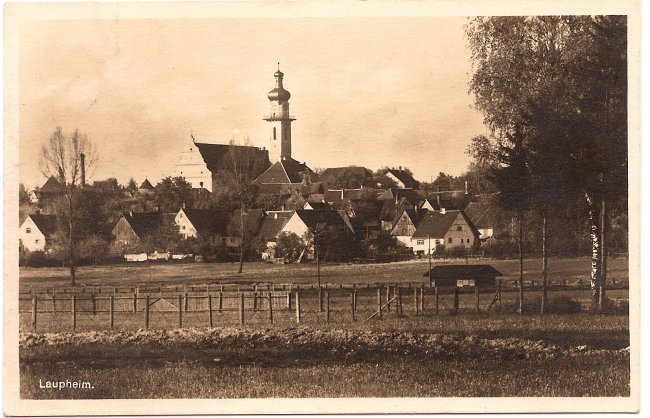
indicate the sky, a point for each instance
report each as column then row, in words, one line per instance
column 366, row 91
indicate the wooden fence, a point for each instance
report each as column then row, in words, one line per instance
column 193, row 308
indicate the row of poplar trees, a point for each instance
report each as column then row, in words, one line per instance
column 553, row 92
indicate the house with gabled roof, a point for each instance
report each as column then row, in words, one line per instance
column 403, row 178
column 134, row 226
column 449, row 228
column 201, row 222
column 317, row 206
column 146, row 187
column 49, row 191
column 303, row 220
column 286, row 176
column 36, row 231
column 406, row 224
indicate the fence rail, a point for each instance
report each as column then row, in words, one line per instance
column 95, row 311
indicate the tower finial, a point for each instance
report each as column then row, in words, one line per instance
column 278, row 65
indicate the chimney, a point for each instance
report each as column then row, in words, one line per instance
column 131, row 213
column 443, row 211
column 400, row 168
column 283, row 208
column 183, row 205
column 275, row 215
column 82, row 157
column 466, row 187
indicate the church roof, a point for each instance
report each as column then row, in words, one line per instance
column 51, row 186
column 284, row 171
column 215, row 155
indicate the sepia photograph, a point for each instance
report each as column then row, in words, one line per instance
column 321, row 207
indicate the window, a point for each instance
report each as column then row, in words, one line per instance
column 461, row 241
column 403, row 231
column 183, row 227
column 36, row 241
column 450, row 240
column 274, row 131
column 459, row 228
column 201, row 183
column 28, row 230
column 420, row 242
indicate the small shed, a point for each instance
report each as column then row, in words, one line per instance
column 460, row 275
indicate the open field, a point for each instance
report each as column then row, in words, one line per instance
column 569, row 269
column 307, row 362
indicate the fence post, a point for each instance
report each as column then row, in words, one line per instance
column 185, row 300
column 34, row 310
column 210, row 309
column 146, row 312
column 320, row 299
column 455, row 307
column 271, row 307
column 327, row 306
column 415, row 301
column 135, row 302
column 53, row 303
column 289, row 300
column 111, row 309
column 379, row 302
column 241, row 308
column 220, row 299
column 478, row 299
column 388, row 298
column 399, row 300
column 255, row 299
column 352, row 300
column 422, row 298
column 93, row 304
column 73, row 309
column 437, row 296
column 297, row 308
column 181, row 308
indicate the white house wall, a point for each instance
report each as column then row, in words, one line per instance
column 193, row 168
column 295, row 225
column 185, row 227
column 33, row 240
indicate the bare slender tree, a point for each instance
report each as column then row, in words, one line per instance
column 61, row 157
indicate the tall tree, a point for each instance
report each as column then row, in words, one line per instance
column 172, row 193
column 561, row 80
column 62, row 157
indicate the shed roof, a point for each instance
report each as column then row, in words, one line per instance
column 458, row 271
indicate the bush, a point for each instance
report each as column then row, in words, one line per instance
column 555, row 305
column 39, row 259
column 500, row 249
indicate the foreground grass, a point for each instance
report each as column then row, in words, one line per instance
column 598, row 375
column 571, row 269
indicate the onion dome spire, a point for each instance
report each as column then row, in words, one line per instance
column 278, row 93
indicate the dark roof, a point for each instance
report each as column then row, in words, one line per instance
column 481, row 213
column 143, row 223
column 333, row 196
column 458, row 271
column 416, row 216
column 412, row 196
column 339, row 195
column 436, row 224
column 215, row 155
column 319, row 205
column 207, row 221
column 311, row 218
column 45, row 223
column 284, row 171
column 52, row 185
column 406, row 178
column 272, row 224
column 351, row 170
column 146, row 185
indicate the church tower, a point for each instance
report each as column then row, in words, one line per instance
column 279, row 120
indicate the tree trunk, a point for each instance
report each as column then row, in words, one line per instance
column 521, row 262
column 544, row 261
column 71, row 244
column 603, row 253
column 594, row 230
column 241, row 247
